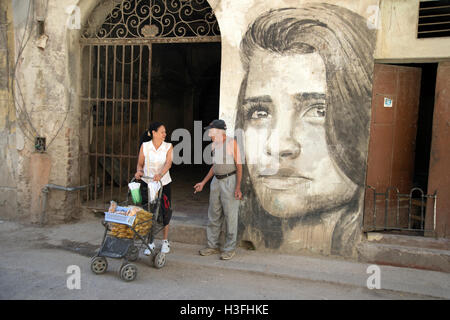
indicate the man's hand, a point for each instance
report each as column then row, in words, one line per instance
column 199, row 187
column 238, row 194
column 156, row 177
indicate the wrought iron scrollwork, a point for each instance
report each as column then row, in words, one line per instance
column 155, row 18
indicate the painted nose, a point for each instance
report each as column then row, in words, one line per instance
column 287, row 147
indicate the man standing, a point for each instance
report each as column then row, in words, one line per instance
column 225, row 192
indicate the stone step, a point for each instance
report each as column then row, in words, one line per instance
column 409, row 241
column 384, row 249
column 187, row 229
column 404, row 256
column 318, row 269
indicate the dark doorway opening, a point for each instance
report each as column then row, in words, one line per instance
column 185, row 86
column 424, row 124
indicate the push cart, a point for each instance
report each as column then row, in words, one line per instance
column 128, row 248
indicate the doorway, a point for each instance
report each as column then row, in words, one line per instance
column 399, row 148
column 144, row 61
column 185, row 86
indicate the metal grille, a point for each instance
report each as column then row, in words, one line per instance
column 392, row 210
column 434, row 19
column 116, row 93
column 155, row 19
column 116, row 85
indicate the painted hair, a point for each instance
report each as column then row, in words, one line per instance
column 344, row 42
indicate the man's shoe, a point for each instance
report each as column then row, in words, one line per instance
column 227, row 255
column 209, row 251
column 165, row 248
column 147, row 252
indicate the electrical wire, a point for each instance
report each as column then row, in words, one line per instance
column 10, row 72
column 26, row 124
column 68, row 107
column 28, row 129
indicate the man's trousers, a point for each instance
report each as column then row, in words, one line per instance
column 223, row 207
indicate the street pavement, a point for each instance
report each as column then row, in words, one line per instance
column 37, row 263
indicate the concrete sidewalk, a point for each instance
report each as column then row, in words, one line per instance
column 84, row 238
column 429, row 283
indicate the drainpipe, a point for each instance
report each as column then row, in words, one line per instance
column 45, row 191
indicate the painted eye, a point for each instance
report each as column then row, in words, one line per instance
column 260, row 114
column 317, row 111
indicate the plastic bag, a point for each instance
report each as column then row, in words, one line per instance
column 135, row 192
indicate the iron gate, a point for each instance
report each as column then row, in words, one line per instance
column 116, row 85
column 392, row 210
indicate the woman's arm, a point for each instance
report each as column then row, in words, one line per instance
column 167, row 165
column 140, row 165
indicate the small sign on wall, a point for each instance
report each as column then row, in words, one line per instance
column 387, row 102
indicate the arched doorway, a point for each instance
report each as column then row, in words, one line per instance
column 142, row 61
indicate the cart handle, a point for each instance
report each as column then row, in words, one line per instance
column 159, row 195
column 147, row 177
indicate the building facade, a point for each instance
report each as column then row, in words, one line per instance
column 318, row 92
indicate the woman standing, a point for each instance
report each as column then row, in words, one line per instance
column 155, row 160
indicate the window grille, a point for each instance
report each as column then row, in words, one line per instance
column 434, row 19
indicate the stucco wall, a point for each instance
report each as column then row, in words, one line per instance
column 46, row 96
column 8, row 152
column 397, row 38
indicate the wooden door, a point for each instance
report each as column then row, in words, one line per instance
column 439, row 176
column 393, row 127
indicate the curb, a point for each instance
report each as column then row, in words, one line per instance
column 420, row 282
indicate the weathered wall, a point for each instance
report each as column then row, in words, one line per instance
column 8, row 152
column 46, row 96
column 325, row 148
column 51, row 79
column 397, row 38
column 303, row 103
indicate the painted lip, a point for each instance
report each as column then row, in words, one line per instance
column 284, row 179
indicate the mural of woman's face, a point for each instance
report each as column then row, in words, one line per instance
column 289, row 163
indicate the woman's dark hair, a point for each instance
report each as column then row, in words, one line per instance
column 147, row 135
column 343, row 40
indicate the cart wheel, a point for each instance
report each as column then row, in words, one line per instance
column 160, row 260
column 151, row 258
column 133, row 253
column 99, row 265
column 128, row 272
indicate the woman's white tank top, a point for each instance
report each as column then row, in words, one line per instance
column 155, row 160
